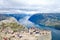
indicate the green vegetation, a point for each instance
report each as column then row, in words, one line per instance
column 13, row 25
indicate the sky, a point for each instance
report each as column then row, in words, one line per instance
column 30, row 6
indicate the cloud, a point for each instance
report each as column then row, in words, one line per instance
column 15, row 11
column 31, row 6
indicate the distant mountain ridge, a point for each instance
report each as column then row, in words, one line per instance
column 52, row 20
column 17, row 16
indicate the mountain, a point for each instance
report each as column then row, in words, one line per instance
column 17, row 16
column 48, row 22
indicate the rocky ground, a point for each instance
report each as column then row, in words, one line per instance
column 11, row 29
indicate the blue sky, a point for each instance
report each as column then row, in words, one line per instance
column 30, row 6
